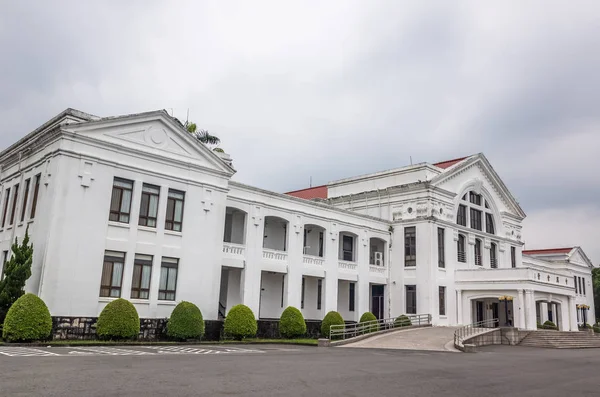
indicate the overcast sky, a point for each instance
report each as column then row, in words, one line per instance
column 332, row 89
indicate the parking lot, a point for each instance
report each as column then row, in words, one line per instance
column 277, row 370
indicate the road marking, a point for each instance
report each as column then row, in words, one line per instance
column 24, row 352
column 111, row 351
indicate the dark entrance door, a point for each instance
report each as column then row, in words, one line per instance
column 479, row 309
column 495, row 310
column 377, row 301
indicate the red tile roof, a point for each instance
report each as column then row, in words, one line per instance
column 310, row 193
column 548, row 251
column 448, row 163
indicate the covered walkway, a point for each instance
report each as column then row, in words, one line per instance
column 430, row 338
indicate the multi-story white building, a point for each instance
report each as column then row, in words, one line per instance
column 135, row 207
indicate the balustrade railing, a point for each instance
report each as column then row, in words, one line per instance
column 234, row 249
column 493, row 263
column 345, row 331
column 345, row 265
column 377, row 269
column 462, row 256
column 313, row 260
column 274, row 255
column 478, row 260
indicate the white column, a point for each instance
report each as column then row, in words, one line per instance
column 363, row 294
column 459, row 307
column 572, row 309
column 543, row 312
column 530, row 311
column 522, row 305
column 330, row 283
column 295, row 265
column 251, row 275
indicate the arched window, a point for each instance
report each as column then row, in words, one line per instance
column 493, row 257
column 478, row 252
column 475, row 211
column 462, row 256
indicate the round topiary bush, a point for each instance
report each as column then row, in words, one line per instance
column 28, row 319
column 331, row 318
column 186, row 322
column 402, row 321
column 550, row 325
column 118, row 320
column 291, row 323
column 240, row 323
column 368, row 317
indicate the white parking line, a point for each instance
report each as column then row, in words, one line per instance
column 24, row 352
column 111, row 351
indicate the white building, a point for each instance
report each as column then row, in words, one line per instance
column 134, row 207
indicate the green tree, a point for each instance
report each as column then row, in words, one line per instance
column 596, row 285
column 202, row 135
column 16, row 272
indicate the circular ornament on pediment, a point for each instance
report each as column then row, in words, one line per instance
column 410, row 210
column 158, row 136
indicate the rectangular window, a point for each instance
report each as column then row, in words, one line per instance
column 112, row 274
column 442, row 300
column 461, row 217
column 580, row 286
column 410, row 246
column 120, row 204
column 513, row 257
column 174, row 210
column 321, row 244
column 14, row 204
column 4, row 260
column 149, row 205
column 302, row 293
column 493, row 258
column 36, row 192
column 142, row 271
column 583, row 284
column 475, row 198
column 348, row 248
column 351, row 296
column 6, row 201
column 489, row 224
column 25, row 197
column 575, row 279
column 441, row 250
column 168, row 279
column 319, row 293
column 411, row 299
column 475, row 219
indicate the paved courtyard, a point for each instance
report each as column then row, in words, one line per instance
column 304, row 371
column 433, row 338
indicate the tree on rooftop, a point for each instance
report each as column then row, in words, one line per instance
column 202, row 135
column 596, row 287
column 16, row 272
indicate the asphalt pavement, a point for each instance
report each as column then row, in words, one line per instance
column 305, row 371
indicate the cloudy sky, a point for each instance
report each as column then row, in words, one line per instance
column 332, row 89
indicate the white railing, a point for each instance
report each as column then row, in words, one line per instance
column 462, row 256
column 468, row 331
column 478, row 260
column 493, row 263
column 234, row 249
column 274, row 255
column 347, row 265
column 345, row 331
column 377, row 269
column 313, row 260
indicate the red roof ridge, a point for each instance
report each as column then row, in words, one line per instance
column 565, row 250
column 310, row 192
column 306, row 188
column 449, row 163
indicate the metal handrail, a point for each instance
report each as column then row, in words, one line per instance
column 468, row 330
column 344, row 331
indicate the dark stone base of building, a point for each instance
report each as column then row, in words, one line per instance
column 155, row 329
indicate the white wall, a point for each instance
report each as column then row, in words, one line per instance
column 271, row 294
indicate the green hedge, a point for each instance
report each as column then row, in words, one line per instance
column 186, row 322
column 402, row 321
column 331, row 318
column 597, row 329
column 118, row 320
column 291, row 323
column 366, row 317
column 240, row 323
column 550, row 325
column 28, row 319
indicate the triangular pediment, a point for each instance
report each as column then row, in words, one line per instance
column 155, row 133
column 477, row 171
column 578, row 257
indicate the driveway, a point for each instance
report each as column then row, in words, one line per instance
column 431, row 338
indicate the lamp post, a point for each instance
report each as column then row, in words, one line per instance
column 505, row 299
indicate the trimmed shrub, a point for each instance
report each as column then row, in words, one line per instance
column 366, row 317
column 28, row 319
column 291, row 323
column 331, row 318
column 186, row 322
column 118, row 320
column 402, row 321
column 550, row 325
column 597, row 329
column 240, row 323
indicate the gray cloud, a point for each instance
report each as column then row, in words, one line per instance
column 332, row 90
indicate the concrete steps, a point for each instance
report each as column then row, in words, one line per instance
column 561, row 340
